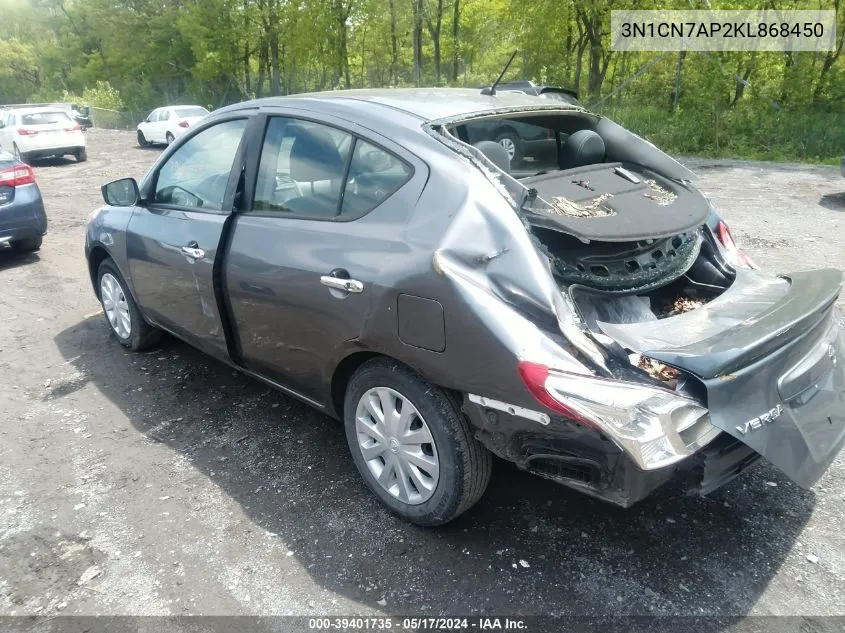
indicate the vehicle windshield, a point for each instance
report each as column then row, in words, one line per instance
column 193, row 111
column 44, row 118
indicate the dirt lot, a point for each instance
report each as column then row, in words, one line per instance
column 185, row 488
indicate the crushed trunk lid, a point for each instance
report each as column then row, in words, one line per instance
column 771, row 354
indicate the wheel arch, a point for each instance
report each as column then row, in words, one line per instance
column 347, row 367
column 96, row 256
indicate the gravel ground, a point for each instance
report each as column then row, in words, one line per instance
column 165, row 484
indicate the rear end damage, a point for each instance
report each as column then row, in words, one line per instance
column 677, row 356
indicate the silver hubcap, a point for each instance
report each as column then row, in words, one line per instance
column 115, row 306
column 397, row 445
column 508, row 146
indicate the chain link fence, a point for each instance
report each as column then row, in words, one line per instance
column 117, row 119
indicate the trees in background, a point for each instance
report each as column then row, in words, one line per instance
column 215, row 52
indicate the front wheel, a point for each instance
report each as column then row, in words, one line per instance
column 125, row 321
column 412, row 446
column 142, row 140
column 29, row 246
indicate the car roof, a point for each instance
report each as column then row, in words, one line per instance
column 427, row 104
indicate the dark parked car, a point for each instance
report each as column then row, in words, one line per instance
column 593, row 322
column 23, row 221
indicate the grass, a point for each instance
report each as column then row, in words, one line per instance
column 757, row 133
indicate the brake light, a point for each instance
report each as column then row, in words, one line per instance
column 75, row 127
column 183, row 124
column 17, row 176
column 645, row 421
column 23, row 131
column 534, row 375
column 732, row 253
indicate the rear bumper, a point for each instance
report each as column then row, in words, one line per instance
column 53, row 151
column 24, row 218
column 584, row 460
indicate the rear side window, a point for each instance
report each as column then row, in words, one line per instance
column 374, row 176
column 302, row 168
column 197, row 173
column 44, row 118
column 309, row 169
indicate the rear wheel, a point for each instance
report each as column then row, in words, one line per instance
column 142, row 140
column 411, row 444
column 81, row 155
column 29, row 246
column 169, row 138
column 125, row 321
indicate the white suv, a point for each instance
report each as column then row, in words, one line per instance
column 163, row 125
column 31, row 133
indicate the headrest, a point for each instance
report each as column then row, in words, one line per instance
column 314, row 156
column 496, row 154
column 583, row 147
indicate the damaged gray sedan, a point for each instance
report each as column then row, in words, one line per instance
column 583, row 312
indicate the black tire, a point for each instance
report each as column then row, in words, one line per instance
column 513, row 138
column 142, row 140
column 30, row 245
column 169, row 138
column 141, row 334
column 81, row 155
column 24, row 158
column 465, row 465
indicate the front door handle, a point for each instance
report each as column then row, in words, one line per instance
column 193, row 250
column 338, row 283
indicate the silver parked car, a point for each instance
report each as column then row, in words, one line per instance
column 589, row 318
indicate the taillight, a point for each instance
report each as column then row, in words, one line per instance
column 17, row 176
column 732, row 253
column 183, row 124
column 643, row 420
column 23, row 131
column 74, row 128
column 534, row 375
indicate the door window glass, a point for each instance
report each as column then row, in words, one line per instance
column 302, row 168
column 197, row 173
column 374, row 175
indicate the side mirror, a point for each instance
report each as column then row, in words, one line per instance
column 121, row 193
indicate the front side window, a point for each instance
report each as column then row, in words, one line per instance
column 308, row 169
column 302, row 168
column 197, row 173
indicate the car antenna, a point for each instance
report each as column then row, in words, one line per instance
column 492, row 89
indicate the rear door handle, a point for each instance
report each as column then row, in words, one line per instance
column 338, row 283
column 193, row 250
